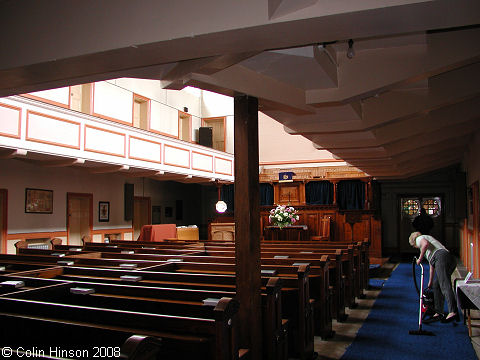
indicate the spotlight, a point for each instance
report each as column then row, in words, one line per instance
column 350, row 51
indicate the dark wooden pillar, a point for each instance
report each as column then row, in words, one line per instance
column 366, row 204
column 247, row 224
column 335, row 191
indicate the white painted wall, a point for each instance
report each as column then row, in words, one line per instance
column 113, row 101
column 163, row 119
column 214, row 104
column 59, row 95
column 276, row 145
column 17, row 175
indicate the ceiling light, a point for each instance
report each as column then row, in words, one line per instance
column 221, row 206
column 350, row 51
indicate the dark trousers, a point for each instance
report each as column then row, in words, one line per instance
column 445, row 265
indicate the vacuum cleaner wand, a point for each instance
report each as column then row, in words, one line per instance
column 420, row 331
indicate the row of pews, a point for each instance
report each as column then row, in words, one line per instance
column 175, row 299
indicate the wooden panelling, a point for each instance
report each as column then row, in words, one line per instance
column 365, row 226
column 376, row 238
column 10, row 120
column 142, row 149
column 309, row 215
column 52, row 130
column 290, row 193
column 222, row 231
column 104, row 141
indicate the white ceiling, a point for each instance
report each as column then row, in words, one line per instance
column 406, row 103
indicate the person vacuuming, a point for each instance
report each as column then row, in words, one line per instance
column 442, row 264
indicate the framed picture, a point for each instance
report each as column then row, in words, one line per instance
column 103, row 211
column 38, row 201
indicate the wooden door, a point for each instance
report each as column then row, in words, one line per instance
column 76, row 97
column 3, row 221
column 80, row 98
column 218, row 132
column 184, row 126
column 79, row 217
column 142, row 214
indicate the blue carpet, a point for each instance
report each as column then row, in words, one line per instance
column 376, row 283
column 384, row 334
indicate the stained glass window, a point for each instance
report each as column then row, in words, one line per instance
column 432, row 206
column 411, row 207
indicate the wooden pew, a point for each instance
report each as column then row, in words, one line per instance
column 351, row 269
column 89, row 259
column 336, row 277
column 296, row 303
column 322, row 297
column 7, row 286
column 319, row 285
column 354, row 276
column 212, row 336
column 85, row 341
column 298, row 309
column 361, row 247
column 341, row 291
column 170, row 299
column 8, row 267
column 362, row 264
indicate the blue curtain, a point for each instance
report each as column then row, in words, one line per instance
column 351, row 194
column 266, row 194
column 319, row 193
column 227, row 194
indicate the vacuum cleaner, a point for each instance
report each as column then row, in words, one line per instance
column 425, row 303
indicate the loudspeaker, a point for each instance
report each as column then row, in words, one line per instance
column 128, row 201
column 205, row 136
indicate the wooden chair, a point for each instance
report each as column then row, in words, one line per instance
column 22, row 244
column 55, row 241
column 325, row 230
column 86, row 239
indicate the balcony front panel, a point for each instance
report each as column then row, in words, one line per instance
column 39, row 127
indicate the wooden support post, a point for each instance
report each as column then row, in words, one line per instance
column 366, row 204
column 335, row 190
column 247, row 224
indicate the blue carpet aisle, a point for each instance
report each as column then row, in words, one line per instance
column 384, row 334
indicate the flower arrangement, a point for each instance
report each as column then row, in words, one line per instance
column 283, row 216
